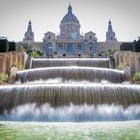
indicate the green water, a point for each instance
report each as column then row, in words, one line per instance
column 129, row 130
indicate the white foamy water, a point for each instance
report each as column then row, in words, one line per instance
column 59, row 81
column 78, row 113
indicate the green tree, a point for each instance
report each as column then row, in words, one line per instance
column 108, row 53
column 136, row 76
column 3, row 77
column 33, row 54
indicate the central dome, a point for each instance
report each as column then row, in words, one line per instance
column 70, row 17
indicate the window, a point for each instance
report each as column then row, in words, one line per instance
column 69, row 49
column 49, row 51
column 91, row 48
column 90, row 45
column 79, row 49
column 60, row 49
column 50, row 44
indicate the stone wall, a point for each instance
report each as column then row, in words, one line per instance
column 9, row 59
column 132, row 59
column 103, row 46
column 36, row 45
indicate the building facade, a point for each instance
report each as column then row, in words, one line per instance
column 70, row 42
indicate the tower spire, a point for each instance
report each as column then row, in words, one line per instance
column 110, row 26
column 29, row 26
column 110, row 34
column 70, row 9
column 29, row 35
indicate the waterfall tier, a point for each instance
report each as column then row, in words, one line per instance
column 72, row 74
column 64, row 94
column 87, row 62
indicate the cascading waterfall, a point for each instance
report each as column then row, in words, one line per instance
column 68, row 101
column 64, row 94
column 72, row 73
column 84, row 62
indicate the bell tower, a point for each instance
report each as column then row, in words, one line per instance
column 110, row 34
column 29, row 35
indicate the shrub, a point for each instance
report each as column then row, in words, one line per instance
column 121, row 66
column 3, row 77
column 136, row 76
column 33, row 54
column 108, row 53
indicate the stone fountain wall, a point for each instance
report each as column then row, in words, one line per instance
column 9, row 59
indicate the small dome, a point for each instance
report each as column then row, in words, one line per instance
column 70, row 16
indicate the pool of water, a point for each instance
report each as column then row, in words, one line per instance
column 123, row 130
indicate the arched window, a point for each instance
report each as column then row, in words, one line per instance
column 49, row 44
column 60, row 49
column 92, row 48
column 90, row 45
column 79, row 49
column 48, row 48
column 49, row 52
column 69, row 49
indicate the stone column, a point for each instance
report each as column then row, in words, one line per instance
column 65, row 50
column 12, row 76
column 75, row 49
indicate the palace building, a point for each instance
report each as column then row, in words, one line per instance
column 70, row 42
